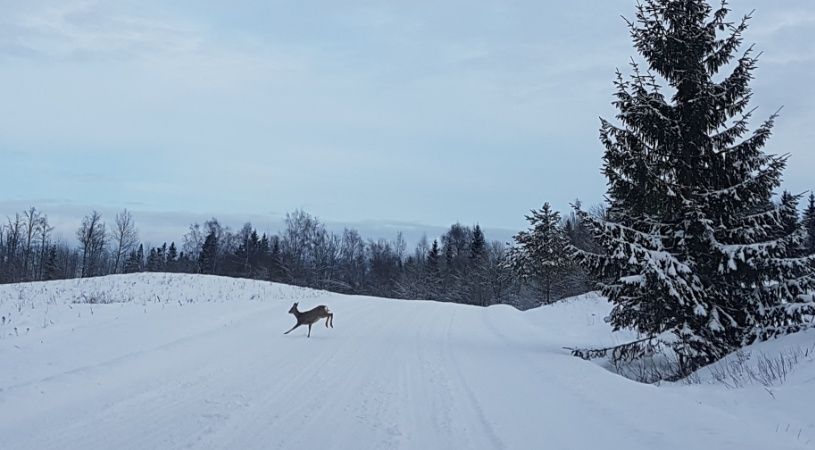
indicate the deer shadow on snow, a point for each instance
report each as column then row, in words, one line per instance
column 311, row 316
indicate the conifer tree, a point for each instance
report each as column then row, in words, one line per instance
column 161, row 254
column 139, row 261
column 152, row 260
column 51, row 270
column 541, row 255
column 275, row 262
column 172, row 252
column 789, row 216
column 208, row 255
column 433, row 271
column 477, row 277
column 808, row 221
column 135, row 260
column 130, row 264
column 696, row 251
column 253, row 252
column 172, row 258
column 478, row 246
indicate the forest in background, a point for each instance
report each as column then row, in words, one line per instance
column 462, row 265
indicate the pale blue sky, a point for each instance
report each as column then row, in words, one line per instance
column 417, row 112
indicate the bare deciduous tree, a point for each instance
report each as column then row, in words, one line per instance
column 125, row 237
column 45, row 230
column 14, row 231
column 92, row 236
column 32, row 223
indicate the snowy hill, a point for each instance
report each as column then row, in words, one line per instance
column 181, row 361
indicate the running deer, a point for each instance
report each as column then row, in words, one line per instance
column 310, row 317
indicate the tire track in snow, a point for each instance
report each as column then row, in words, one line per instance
column 485, row 426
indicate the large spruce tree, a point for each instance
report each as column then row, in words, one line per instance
column 697, row 251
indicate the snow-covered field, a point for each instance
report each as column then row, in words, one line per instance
column 155, row 361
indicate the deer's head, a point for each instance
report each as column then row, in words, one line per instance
column 293, row 309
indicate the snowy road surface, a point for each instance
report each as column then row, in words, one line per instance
column 212, row 369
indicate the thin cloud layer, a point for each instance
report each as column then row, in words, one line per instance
column 406, row 111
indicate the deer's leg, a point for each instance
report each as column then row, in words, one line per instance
column 309, row 331
column 326, row 320
column 331, row 317
column 292, row 328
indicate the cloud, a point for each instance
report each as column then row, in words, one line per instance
column 83, row 30
column 350, row 109
column 780, row 21
column 91, row 31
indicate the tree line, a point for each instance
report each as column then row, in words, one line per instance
column 461, row 265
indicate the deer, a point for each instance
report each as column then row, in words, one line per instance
column 311, row 316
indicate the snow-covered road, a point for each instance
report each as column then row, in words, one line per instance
column 170, row 374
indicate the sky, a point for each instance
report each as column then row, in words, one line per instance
column 381, row 115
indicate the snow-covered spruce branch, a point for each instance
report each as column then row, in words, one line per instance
column 623, row 352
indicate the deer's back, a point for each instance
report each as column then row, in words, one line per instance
column 314, row 314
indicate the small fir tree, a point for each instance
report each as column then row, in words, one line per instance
column 541, row 254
